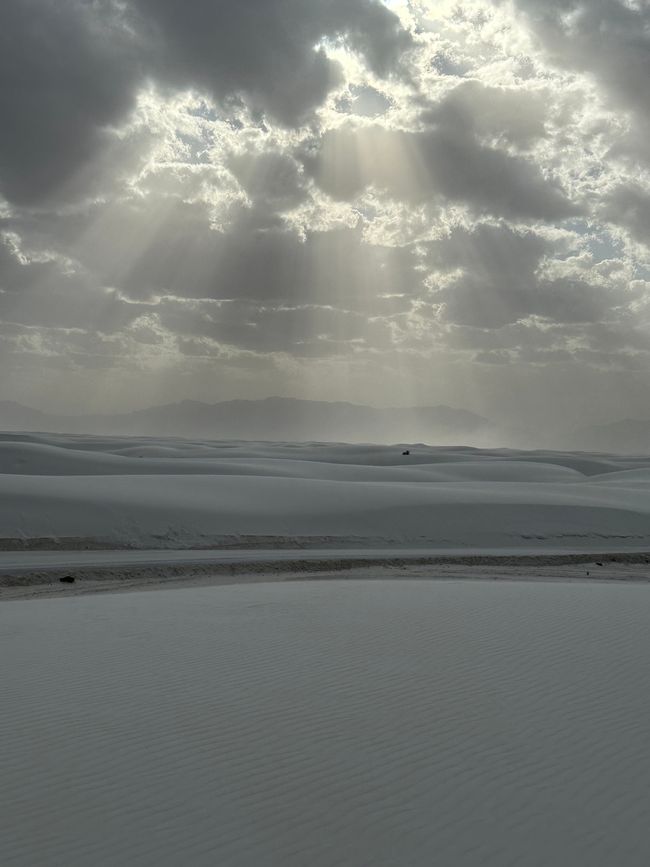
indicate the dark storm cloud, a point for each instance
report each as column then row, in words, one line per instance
column 266, row 49
column 66, row 73
column 69, row 69
column 151, row 223
column 514, row 116
column 257, row 257
column 628, row 205
column 48, row 294
column 446, row 161
column 609, row 39
column 501, row 284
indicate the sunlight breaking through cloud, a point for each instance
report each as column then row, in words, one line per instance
column 385, row 202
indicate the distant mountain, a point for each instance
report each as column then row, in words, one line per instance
column 630, row 436
column 275, row 418
column 15, row 416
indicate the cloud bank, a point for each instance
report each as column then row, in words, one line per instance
column 386, row 202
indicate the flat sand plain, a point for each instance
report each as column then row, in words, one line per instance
column 28, row 575
column 333, row 724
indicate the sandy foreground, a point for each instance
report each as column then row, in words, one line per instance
column 129, row 513
column 329, row 723
column 354, row 657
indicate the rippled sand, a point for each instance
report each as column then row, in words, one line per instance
column 339, row 723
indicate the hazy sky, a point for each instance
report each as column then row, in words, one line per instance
column 392, row 203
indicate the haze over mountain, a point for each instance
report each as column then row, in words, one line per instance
column 628, row 436
column 291, row 419
column 275, row 418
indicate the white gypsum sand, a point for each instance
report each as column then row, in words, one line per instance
column 330, row 724
column 38, row 574
column 75, row 491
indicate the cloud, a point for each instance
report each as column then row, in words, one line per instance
column 446, row 161
column 257, row 259
column 51, row 294
column 496, row 279
column 269, row 178
column 269, row 50
column 303, row 331
column 325, row 195
column 498, row 114
column 628, row 205
column 68, row 74
column 609, row 39
column 71, row 69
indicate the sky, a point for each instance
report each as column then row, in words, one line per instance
column 392, row 203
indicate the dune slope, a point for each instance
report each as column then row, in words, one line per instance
column 148, row 493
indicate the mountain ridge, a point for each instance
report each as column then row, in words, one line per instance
column 274, row 418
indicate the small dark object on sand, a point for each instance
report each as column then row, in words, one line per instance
column 598, row 563
column 407, row 452
column 67, row 579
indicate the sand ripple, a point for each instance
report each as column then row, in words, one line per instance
column 342, row 723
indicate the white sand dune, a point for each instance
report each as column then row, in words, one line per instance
column 149, row 493
column 332, row 724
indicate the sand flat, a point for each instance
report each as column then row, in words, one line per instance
column 336, row 723
column 38, row 574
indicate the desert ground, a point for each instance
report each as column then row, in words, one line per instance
column 454, row 723
column 353, row 656
column 146, row 509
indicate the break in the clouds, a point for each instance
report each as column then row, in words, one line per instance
column 349, row 199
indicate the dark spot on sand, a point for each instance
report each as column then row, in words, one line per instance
column 67, row 579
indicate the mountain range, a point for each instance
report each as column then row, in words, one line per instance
column 290, row 419
column 274, row 418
